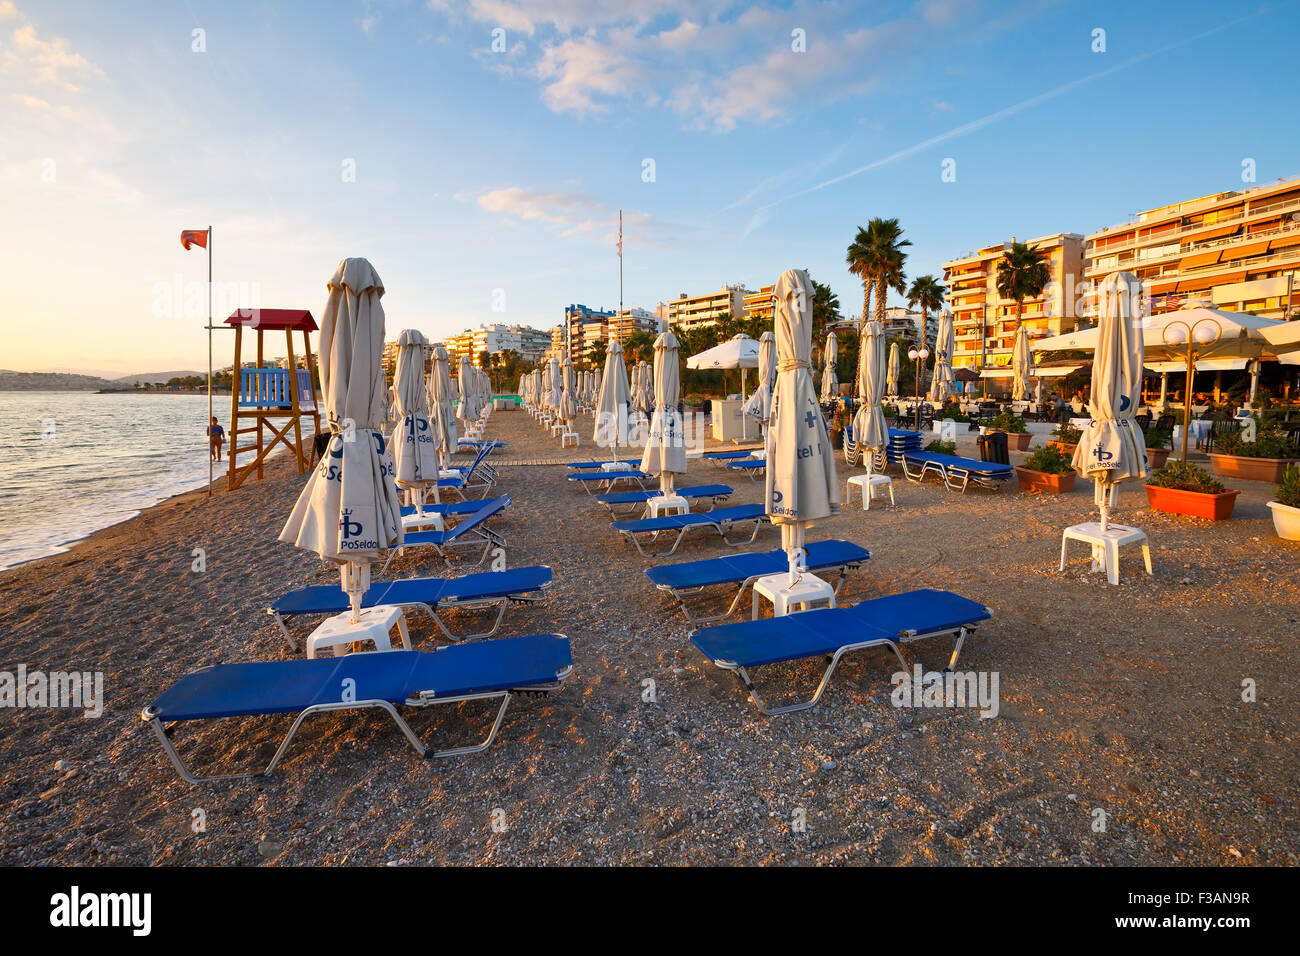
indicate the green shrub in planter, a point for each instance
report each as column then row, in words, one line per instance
column 1185, row 476
column 1270, row 442
column 1050, row 461
column 954, row 414
column 1288, row 492
column 1008, row 422
column 1158, row 437
column 941, row 447
column 1066, row 433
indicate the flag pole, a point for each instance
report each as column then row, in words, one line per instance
column 210, row 359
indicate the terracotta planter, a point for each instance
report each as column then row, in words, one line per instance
column 837, row 438
column 1196, row 504
column 1286, row 521
column 1065, row 448
column 1018, row 441
column 1250, row 469
column 1157, row 457
column 1031, row 480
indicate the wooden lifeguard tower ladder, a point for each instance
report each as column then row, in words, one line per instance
column 268, row 402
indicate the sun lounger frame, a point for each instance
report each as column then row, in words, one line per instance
column 954, row 475
column 720, row 526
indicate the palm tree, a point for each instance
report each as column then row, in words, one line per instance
column 825, row 309
column 927, row 293
column 1022, row 274
column 876, row 255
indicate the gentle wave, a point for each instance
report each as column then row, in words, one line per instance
column 72, row 463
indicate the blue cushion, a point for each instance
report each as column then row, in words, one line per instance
column 691, row 519
column 694, row 491
column 736, row 568
column 487, row 509
column 283, row 687
column 331, row 599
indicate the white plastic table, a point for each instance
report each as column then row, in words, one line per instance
column 1106, row 545
column 374, row 625
column 867, row 485
column 808, row 591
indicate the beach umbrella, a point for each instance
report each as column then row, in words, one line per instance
column 554, row 386
column 740, row 352
column 415, row 452
column 830, row 387
column 595, row 386
column 1020, row 366
column 1112, row 448
column 349, row 511
column 465, row 390
column 1038, row 391
column 942, row 384
column 568, row 403
column 441, row 410
column 665, row 449
column 611, row 410
column 759, row 406
column 801, row 485
column 891, row 375
column 870, row 433
column 644, row 388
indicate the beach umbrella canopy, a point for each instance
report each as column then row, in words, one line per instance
column 611, row 410
column 891, row 374
column 942, row 384
column 739, row 351
column 415, row 452
column 645, row 388
column 1020, row 366
column 1241, row 335
column 554, row 384
column 595, row 386
column 568, row 403
column 440, row 407
column 830, row 386
column 801, row 485
column 870, row 433
column 1112, row 448
column 465, row 390
column 759, row 406
column 665, row 450
column 348, row 511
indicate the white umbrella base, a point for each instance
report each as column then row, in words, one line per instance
column 808, row 591
column 374, row 625
column 1105, row 545
column 666, row 505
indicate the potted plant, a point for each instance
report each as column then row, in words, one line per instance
column 1158, row 441
column 838, row 422
column 1047, row 469
column 1180, row 488
column 941, row 447
column 1014, row 426
column 1265, row 458
column 1065, row 437
column 1286, row 507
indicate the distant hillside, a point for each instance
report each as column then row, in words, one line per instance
column 152, row 377
column 11, row 381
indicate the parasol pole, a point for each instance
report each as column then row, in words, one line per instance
column 232, row 439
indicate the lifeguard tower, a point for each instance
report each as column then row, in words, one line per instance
column 269, row 402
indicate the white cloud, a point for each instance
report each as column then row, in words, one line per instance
column 46, row 62
column 578, row 216
column 7, row 10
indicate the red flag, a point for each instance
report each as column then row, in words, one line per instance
column 197, row 237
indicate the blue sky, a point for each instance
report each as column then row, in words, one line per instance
column 478, row 171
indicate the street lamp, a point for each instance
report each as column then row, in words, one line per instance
column 1201, row 336
column 918, row 356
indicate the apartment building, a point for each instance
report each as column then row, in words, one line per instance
column 627, row 322
column 1238, row 251
column 985, row 321
column 759, row 305
column 901, row 323
column 701, row 311
column 585, row 328
column 530, row 343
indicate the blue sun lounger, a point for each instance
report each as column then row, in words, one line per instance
column 588, row 465
column 720, row 520
column 469, row 533
column 480, row 474
column 625, row 502
column 720, row 458
column 452, row 674
column 603, row 481
column 692, row 577
column 881, row 622
column 955, row 472
column 446, row 508
column 431, row 595
column 753, row 467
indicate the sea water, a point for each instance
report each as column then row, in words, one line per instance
column 72, row 463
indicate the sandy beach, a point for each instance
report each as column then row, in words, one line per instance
column 1126, row 700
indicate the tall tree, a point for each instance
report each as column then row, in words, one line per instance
column 876, row 256
column 1023, row 273
column 927, row 294
column 825, row 309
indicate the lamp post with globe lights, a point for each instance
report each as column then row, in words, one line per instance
column 1198, row 337
column 918, row 356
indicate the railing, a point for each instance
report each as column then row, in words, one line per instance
column 269, row 388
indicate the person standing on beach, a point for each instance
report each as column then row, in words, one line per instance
column 216, row 438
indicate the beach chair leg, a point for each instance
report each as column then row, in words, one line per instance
column 1065, row 540
column 284, row 628
column 496, row 625
column 1146, row 557
column 423, row 701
